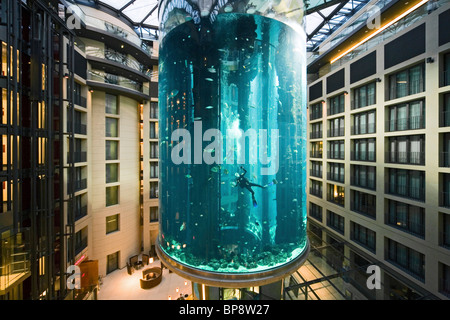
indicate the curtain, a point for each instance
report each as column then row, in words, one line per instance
column 401, row 84
column 416, row 220
column 416, row 114
column 416, row 185
column 402, row 117
column 371, row 94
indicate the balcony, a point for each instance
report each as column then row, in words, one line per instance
column 81, row 245
column 80, row 101
column 15, row 262
column 363, row 129
column 414, row 158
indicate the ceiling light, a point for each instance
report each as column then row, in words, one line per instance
column 373, row 34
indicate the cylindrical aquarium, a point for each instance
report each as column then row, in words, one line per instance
column 232, row 130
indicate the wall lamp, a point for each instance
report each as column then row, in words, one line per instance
column 378, row 79
column 430, row 60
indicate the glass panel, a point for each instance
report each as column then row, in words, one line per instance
column 371, row 94
column 112, row 150
column 112, row 196
column 112, row 127
column 112, row 172
column 415, row 80
column 401, row 84
column 415, row 110
column 112, row 223
column 402, row 117
column 111, row 104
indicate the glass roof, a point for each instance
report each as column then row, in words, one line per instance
column 322, row 19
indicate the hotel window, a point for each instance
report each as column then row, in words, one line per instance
column 153, row 190
column 407, row 82
column 316, row 130
column 363, row 203
column 154, row 214
column 80, row 206
column 112, row 172
column 316, row 150
column 363, row 176
column 111, row 150
column 315, row 111
column 406, row 150
column 445, row 190
column 336, row 150
column 444, row 279
column 336, row 127
column 112, row 127
column 410, row 260
column 112, row 196
column 446, row 69
column 406, row 116
column 81, row 240
column 112, row 262
column 363, row 236
column 445, row 113
column 153, row 110
column 336, row 172
column 335, row 221
column 364, row 122
column 444, row 156
column 153, row 130
column 112, row 223
column 154, row 170
column 315, row 188
column 336, row 105
column 363, row 149
column 154, row 150
column 444, row 230
column 406, row 183
column 364, row 96
column 406, row 217
column 316, row 169
column 315, row 211
column 336, row 194
column 111, row 106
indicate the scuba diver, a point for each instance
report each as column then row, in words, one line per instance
column 243, row 182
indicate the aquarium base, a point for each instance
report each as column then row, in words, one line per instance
column 232, row 280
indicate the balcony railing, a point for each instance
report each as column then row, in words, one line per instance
column 337, row 132
column 335, row 177
column 367, row 129
column 80, row 101
column 104, row 77
column 415, row 158
column 78, row 128
column 15, row 262
column 366, row 210
column 80, row 246
column 315, row 154
column 338, row 155
column 315, row 135
column 315, row 192
column 77, row 186
column 80, row 212
column 118, row 57
column 408, row 123
column 315, row 115
column 336, row 199
column 404, row 191
column 363, row 156
column 77, row 157
column 414, row 228
column 315, row 173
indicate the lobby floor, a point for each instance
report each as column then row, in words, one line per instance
column 119, row 285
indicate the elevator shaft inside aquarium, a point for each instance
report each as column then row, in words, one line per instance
column 232, row 144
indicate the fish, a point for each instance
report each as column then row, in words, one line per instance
column 198, row 118
column 209, row 107
column 188, row 176
column 215, row 169
column 225, row 171
column 183, row 226
column 209, row 79
column 174, row 92
column 212, row 70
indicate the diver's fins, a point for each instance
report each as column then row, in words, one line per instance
column 255, row 204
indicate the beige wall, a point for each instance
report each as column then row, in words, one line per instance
column 434, row 254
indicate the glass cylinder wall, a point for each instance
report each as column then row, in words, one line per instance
column 232, row 96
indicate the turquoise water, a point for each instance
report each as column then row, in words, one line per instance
column 243, row 76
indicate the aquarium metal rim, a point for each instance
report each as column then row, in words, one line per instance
column 232, row 280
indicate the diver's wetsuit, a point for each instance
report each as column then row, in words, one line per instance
column 243, row 182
